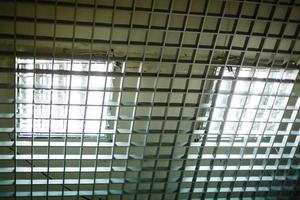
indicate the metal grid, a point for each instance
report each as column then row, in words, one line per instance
column 170, row 61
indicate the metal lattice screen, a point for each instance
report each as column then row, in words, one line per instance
column 149, row 99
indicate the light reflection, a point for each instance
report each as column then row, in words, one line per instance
column 74, row 118
column 244, row 117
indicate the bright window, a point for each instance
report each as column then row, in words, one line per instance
column 252, row 101
column 57, row 97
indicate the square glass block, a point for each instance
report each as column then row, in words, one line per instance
column 25, row 79
column 230, row 127
column 75, row 126
column 58, row 125
column 261, row 73
column 271, row 88
column 102, row 66
column 42, row 111
column 60, row 96
column 218, row 114
column 221, row 100
column 258, row 128
column 257, row 87
column 276, row 74
column 99, row 82
column 62, row 65
column 248, row 115
column 25, row 125
column 245, row 73
column 42, row 96
column 244, row 127
column 225, row 85
column 215, row 127
column 77, row 97
column 76, row 112
column 276, row 115
column 79, row 82
column 266, row 102
column 262, row 115
column 290, row 74
column 61, row 81
column 94, row 112
column 92, row 126
column 80, row 66
column 95, row 98
column 238, row 101
column 24, row 110
column 272, row 128
column 41, row 125
column 242, row 86
column 234, row 114
column 252, row 101
column 280, row 102
column 25, row 95
column 43, row 80
column 285, row 88
column 59, row 111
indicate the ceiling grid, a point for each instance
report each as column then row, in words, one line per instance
column 134, row 99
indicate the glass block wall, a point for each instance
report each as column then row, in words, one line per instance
column 173, row 99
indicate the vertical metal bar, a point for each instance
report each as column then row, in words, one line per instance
column 132, row 16
column 256, row 149
column 69, row 97
column 102, row 106
column 171, row 4
column 200, row 97
column 15, row 107
column 229, row 101
column 292, row 49
column 217, row 87
column 282, row 76
column 51, row 96
column 244, row 104
column 119, row 100
column 87, row 96
column 182, row 36
column 33, row 101
column 137, row 100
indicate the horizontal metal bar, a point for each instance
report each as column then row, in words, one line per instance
column 138, row 157
column 169, row 191
column 237, row 144
column 137, row 169
column 167, row 12
column 158, row 45
column 159, row 104
column 156, row 60
column 158, row 131
column 146, row 180
column 134, row 26
column 150, row 90
column 144, row 74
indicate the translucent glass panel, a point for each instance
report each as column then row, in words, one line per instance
column 62, row 103
column 254, row 106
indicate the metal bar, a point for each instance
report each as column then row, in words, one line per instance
column 51, row 95
column 170, row 6
column 165, row 11
column 69, row 100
